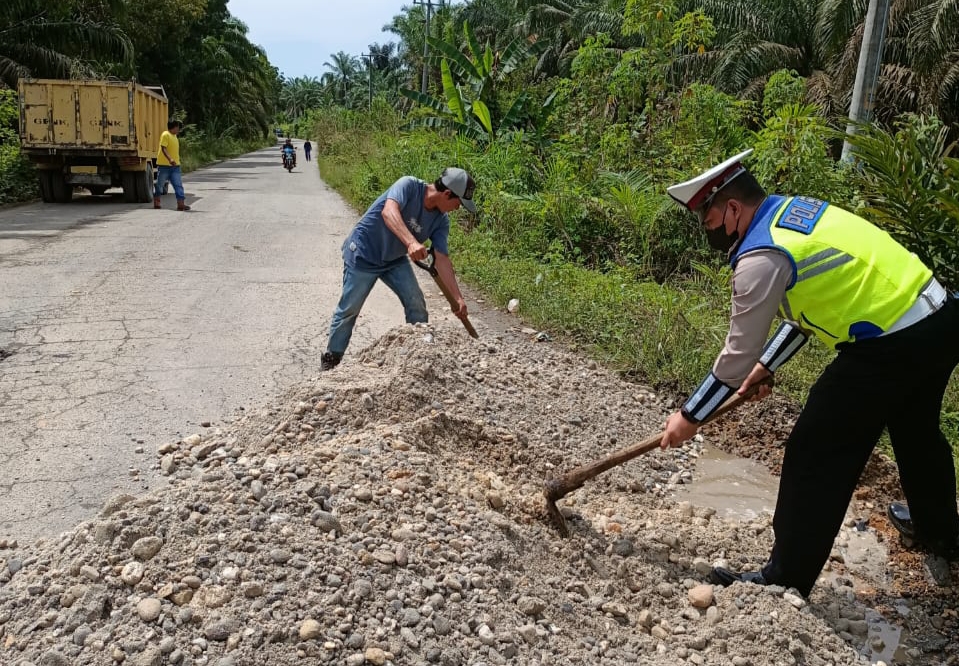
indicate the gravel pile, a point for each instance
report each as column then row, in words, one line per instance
column 391, row 512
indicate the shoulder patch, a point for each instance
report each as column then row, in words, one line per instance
column 802, row 214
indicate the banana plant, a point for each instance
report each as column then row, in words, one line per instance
column 469, row 104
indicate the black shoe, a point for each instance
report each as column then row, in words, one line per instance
column 901, row 519
column 329, row 360
column 720, row 576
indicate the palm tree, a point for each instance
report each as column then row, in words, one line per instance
column 231, row 81
column 300, row 94
column 344, row 67
column 41, row 39
column 494, row 21
column 565, row 25
column 759, row 37
column 920, row 59
column 821, row 40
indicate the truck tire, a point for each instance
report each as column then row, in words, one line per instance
column 129, row 181
column 46, row 185
column 62, row 190
column 144, row 184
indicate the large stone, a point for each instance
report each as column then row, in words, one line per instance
column 147, row 547
column 530, row 605
column 375, row 656
column 149, row 609
column 701, row 596
column 132, row 573
column 310, row 630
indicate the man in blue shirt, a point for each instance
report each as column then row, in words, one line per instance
column 394, row 228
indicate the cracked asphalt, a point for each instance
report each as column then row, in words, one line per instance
column 123, row 327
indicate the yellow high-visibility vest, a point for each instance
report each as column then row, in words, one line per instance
column 851, row 281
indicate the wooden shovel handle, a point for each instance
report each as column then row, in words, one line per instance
column 562, row 486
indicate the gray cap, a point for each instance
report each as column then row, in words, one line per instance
column 461, row 184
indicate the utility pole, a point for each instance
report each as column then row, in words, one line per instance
column 867, row 72
column 428, row 5
column 369, row 74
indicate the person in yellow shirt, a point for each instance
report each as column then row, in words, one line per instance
column 168, row 166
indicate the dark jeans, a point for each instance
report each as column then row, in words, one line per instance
column 895, row 382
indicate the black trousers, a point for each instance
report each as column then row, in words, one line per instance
column 895, row 382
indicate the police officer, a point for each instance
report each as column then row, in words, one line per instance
column 832, row 275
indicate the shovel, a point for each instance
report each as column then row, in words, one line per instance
column 556, row 489
column 429, row 265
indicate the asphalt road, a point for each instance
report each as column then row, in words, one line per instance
column 123, row 327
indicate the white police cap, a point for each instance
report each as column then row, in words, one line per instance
column 697, row 191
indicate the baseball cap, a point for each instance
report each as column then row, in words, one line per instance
column 461, row 184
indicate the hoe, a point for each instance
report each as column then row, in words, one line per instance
column 556, row 489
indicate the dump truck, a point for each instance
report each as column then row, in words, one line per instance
column 92, row 134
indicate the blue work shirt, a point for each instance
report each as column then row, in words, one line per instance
column 372, row 247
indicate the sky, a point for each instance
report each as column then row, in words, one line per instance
column 300, row 35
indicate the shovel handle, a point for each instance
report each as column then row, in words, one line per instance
column 562, row 486
column 429, row 265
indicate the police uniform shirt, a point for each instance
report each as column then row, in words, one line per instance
column 760, row 280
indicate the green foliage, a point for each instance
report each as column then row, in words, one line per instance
column 785, row 87
column 199, row 148
column 911, row 188
column 712, row 123
column 792, row 156
column 471, row 107
column 18, row 181
column 57, row 40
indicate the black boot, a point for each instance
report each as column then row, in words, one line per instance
column 901, row 519
column 329, row 360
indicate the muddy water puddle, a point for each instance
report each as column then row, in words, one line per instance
column 737, row 488
column 741, row 489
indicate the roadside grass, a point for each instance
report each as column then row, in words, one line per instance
column 666, row 334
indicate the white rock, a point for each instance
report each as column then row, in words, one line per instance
column 132, row 573
column 149, row 609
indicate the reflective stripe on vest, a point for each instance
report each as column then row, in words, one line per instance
column 851, row 280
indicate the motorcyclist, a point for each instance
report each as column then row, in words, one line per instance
column 289, row 149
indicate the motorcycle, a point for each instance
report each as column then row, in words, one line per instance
column 288, row 162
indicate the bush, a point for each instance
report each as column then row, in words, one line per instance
column 792, row 157
column 18, row 180
column 911, row 188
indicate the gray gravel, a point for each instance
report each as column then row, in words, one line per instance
column 390, row 512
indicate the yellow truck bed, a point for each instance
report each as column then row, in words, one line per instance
column 91, row 134
column 90, row 117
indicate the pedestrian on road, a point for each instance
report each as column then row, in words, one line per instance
column 307, row 149
column 395, row 227
column 168, row 166
column 834, row 275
